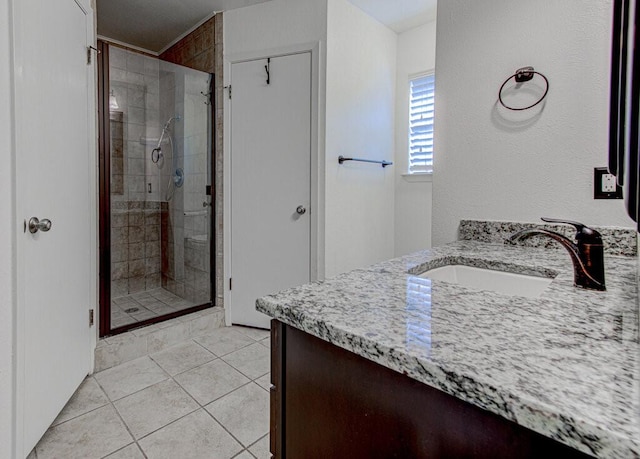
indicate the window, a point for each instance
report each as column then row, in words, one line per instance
column 421, row 98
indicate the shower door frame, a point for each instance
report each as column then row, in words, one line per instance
column 104, row 216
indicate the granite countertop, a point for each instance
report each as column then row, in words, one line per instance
column 565, row 365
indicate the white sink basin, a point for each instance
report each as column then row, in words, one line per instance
column 488, row 279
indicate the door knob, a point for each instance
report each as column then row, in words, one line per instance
column 301, row 210
column 36, row 225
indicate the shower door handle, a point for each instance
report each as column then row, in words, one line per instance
column 36, row 225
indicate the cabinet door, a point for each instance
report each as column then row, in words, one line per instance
column 330, row 402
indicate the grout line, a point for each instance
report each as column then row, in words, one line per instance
column 169, row 423
column 172, row 378
column 197, row 366
column 139, row 390
column 119, row 449
column 217, row 398
column 245, row 450
column 141, row 450
column 225, row 429
column 123, row 423
column 257, row 441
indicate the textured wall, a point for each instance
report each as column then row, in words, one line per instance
column 500, row 165
column 360, row 104
column 416, row 54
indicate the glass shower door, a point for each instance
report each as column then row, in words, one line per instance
column 160, row 122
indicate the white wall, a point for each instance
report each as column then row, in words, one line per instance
column 490, row 163
column 360, row 105
column 276, row 27
column 416, row 54
column 356, row 85
column 7, row 257
column 274, row 24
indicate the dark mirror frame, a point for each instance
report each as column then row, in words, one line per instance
column 624, row 114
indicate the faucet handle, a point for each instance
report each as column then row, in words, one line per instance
column 583, row 232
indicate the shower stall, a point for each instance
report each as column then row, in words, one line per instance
column 156, row 181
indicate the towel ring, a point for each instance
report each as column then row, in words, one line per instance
column 522, row 75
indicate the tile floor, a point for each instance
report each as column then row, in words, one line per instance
column 204, row 398
column 140, row 306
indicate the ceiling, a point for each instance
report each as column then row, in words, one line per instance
column 154, row 25
column 399, row 15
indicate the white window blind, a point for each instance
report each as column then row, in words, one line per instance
column 421, row 99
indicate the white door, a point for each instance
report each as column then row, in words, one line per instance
column 54, row 125
column 270, row 181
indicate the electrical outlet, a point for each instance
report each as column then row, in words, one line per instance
column 605, row 185
column 608, row 183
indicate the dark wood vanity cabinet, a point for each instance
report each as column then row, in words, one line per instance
column 327, row 402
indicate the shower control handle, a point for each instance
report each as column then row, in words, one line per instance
column 36, row 225
column 301, row 210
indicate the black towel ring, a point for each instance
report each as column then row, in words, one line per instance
column 522, row 75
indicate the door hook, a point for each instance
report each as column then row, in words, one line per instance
column 207, row 97
column 268, row 68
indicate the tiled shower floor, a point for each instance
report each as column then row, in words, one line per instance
column 140, row 306
column 205, row 398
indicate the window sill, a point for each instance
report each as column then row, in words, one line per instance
column 423, row 177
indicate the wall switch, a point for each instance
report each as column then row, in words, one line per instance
column 605, row 185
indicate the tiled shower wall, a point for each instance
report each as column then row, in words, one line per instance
column 157, row 239
column 135, row 247
column 135, row 85
column 185, row 221
column 135, row 193
column 202, row 50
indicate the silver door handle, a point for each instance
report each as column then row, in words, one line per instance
column 36, row 225
column 301, row 210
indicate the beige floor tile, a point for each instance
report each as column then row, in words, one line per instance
column 260, row 449
column 265, row 381
column 130, row 452
column 165, row 338
column 224, row 340
column 88, row 397
column 92, row 435
column 256, row 334
column 130, row 377
column 196, row 436
column 266, row 342
column 183, row 357
column 252, row 361
column 211, row 381
column 244, row 455
column 244, row 412
column 154, row 407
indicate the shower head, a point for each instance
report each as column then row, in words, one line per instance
column 165, row 128
column 170, row 120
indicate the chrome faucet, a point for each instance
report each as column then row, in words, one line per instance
column 587, row 253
